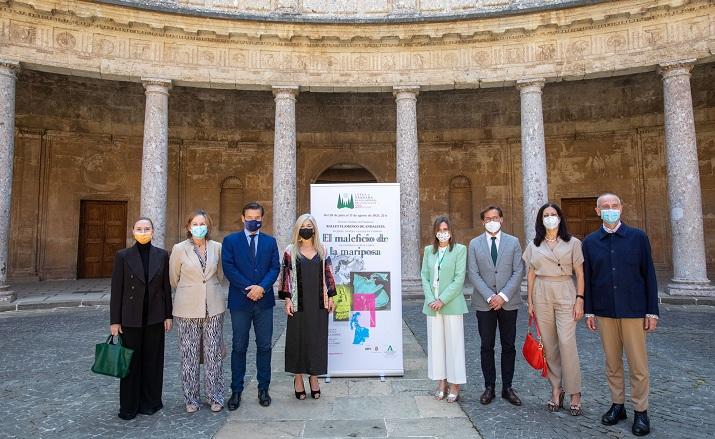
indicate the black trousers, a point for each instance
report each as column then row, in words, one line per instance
column 487, row 322
column 140, row 391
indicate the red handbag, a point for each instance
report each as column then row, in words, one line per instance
column 533, row 349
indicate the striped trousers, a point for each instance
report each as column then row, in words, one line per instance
column 191, row 332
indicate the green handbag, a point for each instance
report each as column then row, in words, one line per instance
column 112, row 359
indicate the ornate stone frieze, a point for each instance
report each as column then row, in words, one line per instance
column 102, row 40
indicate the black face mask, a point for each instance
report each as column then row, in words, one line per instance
column 306, row 233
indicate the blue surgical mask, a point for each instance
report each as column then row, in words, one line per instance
column 199, row 231
column 253, row 225
column 610, row 216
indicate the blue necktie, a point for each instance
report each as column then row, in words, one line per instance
column 253, row 249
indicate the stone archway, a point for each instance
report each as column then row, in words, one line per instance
column 346, row 173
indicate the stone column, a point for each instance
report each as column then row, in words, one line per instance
column 8, row 79
column 284, row 164
column 684, row 195
column 533, row 153
column 155, row 157
column 408, row 175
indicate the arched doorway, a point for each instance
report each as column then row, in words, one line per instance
column 346, row 173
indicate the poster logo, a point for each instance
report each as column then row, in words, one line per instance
column 345, row 201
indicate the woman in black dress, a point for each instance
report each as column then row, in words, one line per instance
column 307, row 286
column 140, row 309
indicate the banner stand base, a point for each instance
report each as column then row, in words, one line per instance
column 382, row 378
column 327, row 379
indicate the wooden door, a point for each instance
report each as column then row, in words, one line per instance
column 581, row 216
column 102, row 232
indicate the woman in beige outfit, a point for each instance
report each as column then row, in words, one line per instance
column 195, row 272
column 552, row 258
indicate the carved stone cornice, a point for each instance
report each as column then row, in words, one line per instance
column 100, row 40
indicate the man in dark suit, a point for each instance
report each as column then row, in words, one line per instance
column 251, row 264
column 495, row 269
column 622, row 295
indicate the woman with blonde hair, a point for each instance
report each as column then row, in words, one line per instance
column 196, row 274
column 308, row 287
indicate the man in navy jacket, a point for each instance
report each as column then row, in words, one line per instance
column 622, row 294
column 251, row 264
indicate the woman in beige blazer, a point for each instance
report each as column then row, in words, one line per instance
column 199, row 304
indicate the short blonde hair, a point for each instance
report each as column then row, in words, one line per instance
column 194, row 214
column 315, row 240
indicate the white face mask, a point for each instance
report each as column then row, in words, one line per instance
column 443, row 236
column 551, row 222
column 492, row 226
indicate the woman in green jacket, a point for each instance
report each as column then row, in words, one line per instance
column 443, row 268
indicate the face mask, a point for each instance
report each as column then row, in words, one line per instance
column 610, row 216
column 551, row 222
column 443, row 236
column 492, row 226
column 142, row 238
column 253, row 225
column 306, row 233
column 199, row 231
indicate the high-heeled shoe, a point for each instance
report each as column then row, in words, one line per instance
column 298, row 395
column 315, row 394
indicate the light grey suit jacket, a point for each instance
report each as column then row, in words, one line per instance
column 489, row 279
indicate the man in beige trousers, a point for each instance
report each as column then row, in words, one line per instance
column 622, row 295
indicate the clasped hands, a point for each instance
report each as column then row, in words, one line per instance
column 436, row 305
column 255, row 292
column 496, row 302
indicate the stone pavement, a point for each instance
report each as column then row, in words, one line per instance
column 48, row 391
column 353, row 407
column 682, row 379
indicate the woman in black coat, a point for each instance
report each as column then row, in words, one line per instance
column 140, row 310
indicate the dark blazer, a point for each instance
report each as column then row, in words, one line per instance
column 241, row 272
column 619, row 272
column 126, row 304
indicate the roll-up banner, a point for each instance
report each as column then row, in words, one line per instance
column 359, row 224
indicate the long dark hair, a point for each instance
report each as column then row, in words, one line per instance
column 563, row 232
column 435, row 228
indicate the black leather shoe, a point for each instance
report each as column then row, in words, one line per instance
column 488, row 395
column 511, row 396
column 615, row 414
column 641, row 424
column 235, row 401
column 264, row 398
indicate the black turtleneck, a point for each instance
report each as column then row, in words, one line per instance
column 144, row 253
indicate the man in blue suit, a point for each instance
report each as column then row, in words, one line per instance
column 251, row 264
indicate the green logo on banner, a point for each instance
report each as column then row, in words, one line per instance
column 345, row 201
